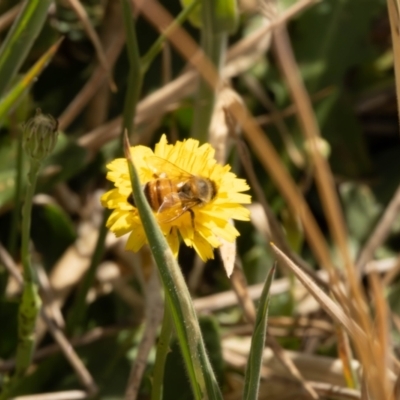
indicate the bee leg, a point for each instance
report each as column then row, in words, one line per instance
column 191, row 216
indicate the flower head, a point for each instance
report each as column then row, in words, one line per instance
column 192, row 196
column 40, row 136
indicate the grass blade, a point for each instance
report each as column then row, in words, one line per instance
column 201, row 375
column 252, row 377
column 24, row 83
column 20, row 39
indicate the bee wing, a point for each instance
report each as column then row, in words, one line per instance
column 169, row 201
column 173, row 206
column 166, row 169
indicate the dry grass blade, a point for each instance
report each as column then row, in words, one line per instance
column 394, row 17
column 335, row 392
column 275, row 231
column 154, row 314
column 240, row 288
column 272, row 163
column 368, row 348
column 240, row 57
column 374, row 375
column 67, row 395
column 8, row 17
column 310, row 129
column 91, row 32
column 346, row 355
column 383, row 350
column 380, row 233
column 157, row 15
column 330, row 307
column 95, row 82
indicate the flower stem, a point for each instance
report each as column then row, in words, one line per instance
column 30, row 302
column 213, row 43
column 26, row 220
column 162, row 352
column 155, row 49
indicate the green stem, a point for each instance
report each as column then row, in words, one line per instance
column 254, row 361
column 20, row 39
column 30, row 302
column 162, row 352
column 213, row 43
column 151, row 54
column 26, row 220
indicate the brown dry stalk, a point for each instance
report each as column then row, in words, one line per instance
column 394, row 17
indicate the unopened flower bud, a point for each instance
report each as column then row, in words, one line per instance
column 40, row 136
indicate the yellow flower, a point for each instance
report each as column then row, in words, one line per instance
column 203, row 223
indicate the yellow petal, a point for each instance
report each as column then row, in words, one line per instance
column 203, row 248
column 136, row 239
column 173, row 241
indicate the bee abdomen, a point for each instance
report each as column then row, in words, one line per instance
column 155, row 192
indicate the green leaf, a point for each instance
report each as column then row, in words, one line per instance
column 20, row 39
column 224, row 15
column 26, row 81
column 341, row 128
column 361, row 210
column 342, row 41
column 252, row 377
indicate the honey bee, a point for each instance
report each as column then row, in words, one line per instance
column 174, row 191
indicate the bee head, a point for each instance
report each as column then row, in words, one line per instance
column 207, row 189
